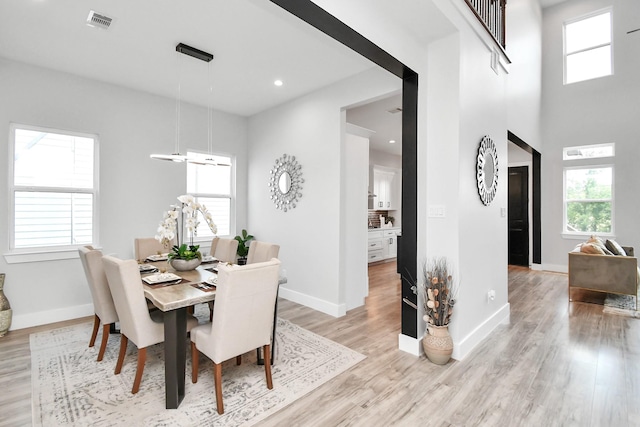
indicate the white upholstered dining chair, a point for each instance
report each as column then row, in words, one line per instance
column 137, row 324
column 103, row 307
column 242, row 319
column 145, row 246
column 224, row 249
column 262, row 251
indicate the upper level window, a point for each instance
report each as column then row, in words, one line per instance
column 588, row 47
column 53, row 188
column 212, row 186
column 588, row 151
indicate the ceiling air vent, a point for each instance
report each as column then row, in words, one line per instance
column 98, row 20
column 395, row 110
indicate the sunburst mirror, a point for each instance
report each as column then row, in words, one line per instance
column 286, row 182
column 487, row 170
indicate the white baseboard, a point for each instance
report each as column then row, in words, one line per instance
column 558, row 268
column 409, row 344
column 462, row 348
column 536, row 267
column 335, row 310
column 45, row 317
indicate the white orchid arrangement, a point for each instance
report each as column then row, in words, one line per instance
column 187, row 213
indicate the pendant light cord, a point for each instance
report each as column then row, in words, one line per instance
column 178, row 101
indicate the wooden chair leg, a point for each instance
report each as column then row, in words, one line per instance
column 217, row 379
column 190, row 310
column 142, row 357
column 239, row 360
column 210, row 311
column 195, row 360
column 267, row 365
column 105, row 336
column 94, row 334
column 123, row 349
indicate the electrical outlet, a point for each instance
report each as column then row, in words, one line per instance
column 491, row 295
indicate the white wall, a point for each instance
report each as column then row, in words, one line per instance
column 134, row 189
column 381, row 158
column 460, row 100
column 309, row 235
column 590, row 112
column 481, row 261
column 524, row 85
column 353, row 202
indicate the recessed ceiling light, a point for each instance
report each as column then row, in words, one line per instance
column 392, row 141
column 278, row 83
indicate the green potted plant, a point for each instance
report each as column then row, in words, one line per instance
column 243, row 246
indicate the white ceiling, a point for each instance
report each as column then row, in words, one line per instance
column 254, row 42
column 376, row 116
column 548, row 3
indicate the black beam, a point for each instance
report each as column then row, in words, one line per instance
column 409, row 241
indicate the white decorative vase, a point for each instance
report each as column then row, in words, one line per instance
column 184, row 265
column 437, row 344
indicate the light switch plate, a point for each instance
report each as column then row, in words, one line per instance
column 436, row 211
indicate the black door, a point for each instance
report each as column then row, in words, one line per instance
column 519, row 215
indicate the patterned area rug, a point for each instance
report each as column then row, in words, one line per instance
column 70, row 388
column 624, row 305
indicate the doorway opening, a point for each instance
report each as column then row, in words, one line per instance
column 336, row 29
column 521, row 154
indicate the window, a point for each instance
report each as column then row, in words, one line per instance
column 588, row 151
column 588, row 47
column 212, row 186
column 53, row 188
column 588, row 200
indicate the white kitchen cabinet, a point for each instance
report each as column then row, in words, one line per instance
column 387, row 188
column 389, row 244
column 382, row 244
column 375, row 246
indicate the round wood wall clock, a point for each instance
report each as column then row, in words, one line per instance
column 487, row 170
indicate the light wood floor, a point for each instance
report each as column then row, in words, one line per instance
column 555, row 364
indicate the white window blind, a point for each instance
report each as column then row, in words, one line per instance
column 53, row 188
column 212, row 186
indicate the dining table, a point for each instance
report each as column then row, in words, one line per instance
column 195, row 287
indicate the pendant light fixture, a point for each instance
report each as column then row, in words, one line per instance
column 176, row 156
column 209, row 159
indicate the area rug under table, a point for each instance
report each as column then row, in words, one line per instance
column 70, row 388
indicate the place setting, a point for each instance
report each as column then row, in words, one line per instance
column 162, row 279
column 208, row 285
column 157, row 257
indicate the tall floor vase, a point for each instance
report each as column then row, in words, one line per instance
column 437, row 344
column 5, row 310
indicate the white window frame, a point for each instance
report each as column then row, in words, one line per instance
column 608, row 10
column 583, row 234
column 48, row 253
column 231, row 196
